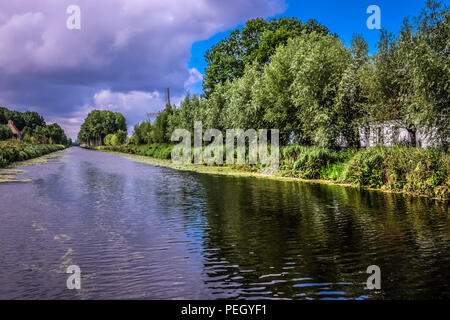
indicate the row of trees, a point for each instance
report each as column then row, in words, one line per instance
column 314, row 89
column 22, row 120
column 33, row 127
column 159, row 131
column 409, row 77
column 99, row 124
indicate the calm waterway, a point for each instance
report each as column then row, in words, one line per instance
column 143, row 232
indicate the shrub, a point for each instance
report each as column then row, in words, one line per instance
column 107, row 139
column 114, row 140
column 121, row 136
column 402, row 169
column 160, row 151
column 13, row 150
column 307, row 162
column 5, row 132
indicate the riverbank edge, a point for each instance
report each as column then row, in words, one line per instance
column 229, row 171
column 8, row 173
column 14, row 151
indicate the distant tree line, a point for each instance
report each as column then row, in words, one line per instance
column 33, row 128
column 101, row 125
column 305, row 82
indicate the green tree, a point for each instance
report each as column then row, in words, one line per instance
column 107, row 139
column 5, row 132
column 28, row 122
column 41, row 135
column 318, row 66
column 276, row 96
column 56, row 135
column 214, row 111
column 225, row 61
column 142, row 133
column 121, row 136
column 351, row 99
column 3, row 119
column 16, row 117
column 160, row 132
column 425, row 54
column 244, row 109
column 114, row 140
column 100, row 123
column 300, row 88
column 386, row 89
column 33, row 119
column 258, row 40
column 190, row 110
column 411, row 73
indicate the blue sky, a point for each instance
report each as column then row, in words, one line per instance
column 344, row 17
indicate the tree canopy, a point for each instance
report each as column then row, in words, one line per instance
column 32, row 126
column 410, row 76
column 98, row 124
column 304, row 81
column 257, row 41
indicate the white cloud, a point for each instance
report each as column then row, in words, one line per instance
column 194, row 77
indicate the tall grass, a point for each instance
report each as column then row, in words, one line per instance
column 414, row 170
column 313, row 162
column 400, row 168
column 13, row 150
column 159, row 151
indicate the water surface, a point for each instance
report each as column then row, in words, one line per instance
column 142, row 232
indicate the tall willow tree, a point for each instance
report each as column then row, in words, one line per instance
column 257, row 41
column 302, row 80
column 278, row 77
column 244, row 110
column 352, row 99
column 301, row 86
column 426, row 56
column 411, row 73
column 159, row 128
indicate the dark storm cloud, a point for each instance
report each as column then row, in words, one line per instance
column 126, row 52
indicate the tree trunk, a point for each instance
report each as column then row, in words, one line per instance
column 412, row 135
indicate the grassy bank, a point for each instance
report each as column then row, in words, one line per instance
column 398, row 169
column 13, row 150
column 158, row 151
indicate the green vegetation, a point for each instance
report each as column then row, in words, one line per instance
column 317, row 91
column 33, row 128
column 310, row 162
column 398, row 169
column 13, row 150
column 115, row 139
column 5, row 132
column 413, row 170
column 304, row 81
column 158, row 151
column 101, row 123
column 257, row 41
column 38, row 137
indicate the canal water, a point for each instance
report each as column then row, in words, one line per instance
column 138, row 231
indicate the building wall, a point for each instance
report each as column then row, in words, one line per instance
column 389, row 133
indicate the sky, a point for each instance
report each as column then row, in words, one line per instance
column 127, row 52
